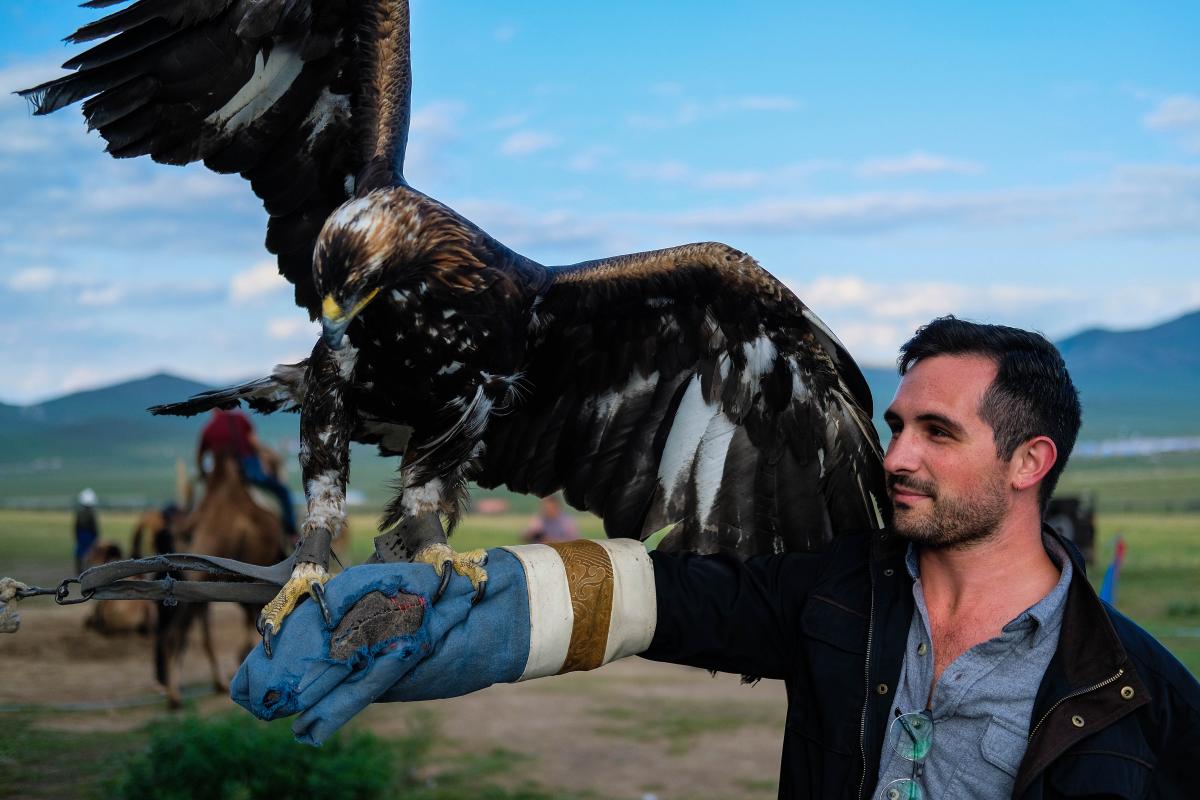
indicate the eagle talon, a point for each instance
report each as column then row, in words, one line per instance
column 317, row 592
column 307, row 579
column 444, row 573
column 268, row 636
column 444, row 560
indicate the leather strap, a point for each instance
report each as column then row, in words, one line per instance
column 106, row 581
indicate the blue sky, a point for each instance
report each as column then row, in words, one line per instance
column 1030, row 163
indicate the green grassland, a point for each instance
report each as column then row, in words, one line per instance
column 1158, row 590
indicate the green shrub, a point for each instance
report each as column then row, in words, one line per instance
column 233, row 757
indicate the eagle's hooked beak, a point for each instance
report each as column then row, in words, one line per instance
column 335, row 319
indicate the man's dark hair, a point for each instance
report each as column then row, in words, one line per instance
column 1032, row 394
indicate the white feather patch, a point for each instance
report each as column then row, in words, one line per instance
column 326, row 503
column 760, row 357
column 328, row 108
column 687, row 428
column 346, row 358
column 422, row 499
column 710, row 463
column 271, row 79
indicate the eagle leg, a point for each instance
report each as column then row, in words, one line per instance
column 421, row 539
column 325, row 468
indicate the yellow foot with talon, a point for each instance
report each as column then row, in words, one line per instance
column 307, row 579
column 468, row 564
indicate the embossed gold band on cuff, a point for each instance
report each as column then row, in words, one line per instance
column 590, row 581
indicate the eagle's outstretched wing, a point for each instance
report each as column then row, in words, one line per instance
column 307, row 99
column 688, row 386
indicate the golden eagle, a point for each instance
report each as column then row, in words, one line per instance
column 684, row 387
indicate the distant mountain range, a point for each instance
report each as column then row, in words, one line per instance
column 1133, row 383
column 1139, row 383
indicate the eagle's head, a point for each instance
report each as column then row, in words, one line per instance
column 384, row 239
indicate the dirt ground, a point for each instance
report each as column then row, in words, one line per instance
column 633, row 729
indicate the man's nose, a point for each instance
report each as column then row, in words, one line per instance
column 901, row 455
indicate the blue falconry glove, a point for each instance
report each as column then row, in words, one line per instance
column 548, row 609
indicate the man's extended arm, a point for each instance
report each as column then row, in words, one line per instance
column 549, row 609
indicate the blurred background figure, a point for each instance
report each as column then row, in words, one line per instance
column 231, row 432
column 87, row 528
column 551, row 524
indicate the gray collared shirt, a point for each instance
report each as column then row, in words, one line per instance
column 982, row 705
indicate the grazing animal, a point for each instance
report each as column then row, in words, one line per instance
column 684, row 387
column 226, row 523
column 114, row 617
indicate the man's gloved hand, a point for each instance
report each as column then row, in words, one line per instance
column 384, row 627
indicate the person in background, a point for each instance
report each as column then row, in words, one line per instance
column 231, row 432
column 87, row 529
column 551, row 524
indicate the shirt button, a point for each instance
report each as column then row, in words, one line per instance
column 1077, row 721
column 882, row 688
column 887, row 573
column 922, row 649
column 1127, row 692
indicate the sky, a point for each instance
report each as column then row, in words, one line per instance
column 1029, row 163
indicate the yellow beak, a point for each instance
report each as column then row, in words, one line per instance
column 334, row 319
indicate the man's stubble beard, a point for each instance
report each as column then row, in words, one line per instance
column 952, row 522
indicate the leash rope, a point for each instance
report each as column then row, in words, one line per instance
column 251, row 583
column 10, row 593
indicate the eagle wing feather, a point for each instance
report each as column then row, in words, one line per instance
column 690, row 388
column 306, row 99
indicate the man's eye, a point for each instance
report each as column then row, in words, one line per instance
column 938, row 433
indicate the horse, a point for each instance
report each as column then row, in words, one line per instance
column 229, row 524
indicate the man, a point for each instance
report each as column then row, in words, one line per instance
column 230, row 433
column 961, row 653
column 87, row 529
column 551, row 524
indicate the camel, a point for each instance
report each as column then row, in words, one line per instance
column 116, row 617
column 226, row 523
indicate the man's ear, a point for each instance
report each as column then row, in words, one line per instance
column 1031, row 461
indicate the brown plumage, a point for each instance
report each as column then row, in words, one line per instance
column 685, row 387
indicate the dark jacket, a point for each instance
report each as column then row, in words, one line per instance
column 1116, row 715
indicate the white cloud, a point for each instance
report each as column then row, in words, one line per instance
column 873, row 318
column 860, row 213
column 79, row 378
column 690, row 111
column 524, row 143
column 669, row 171
column 438, row 119
column 508, row 121
column 282, row 328
column 590, row 159
column 556, row 229
column 262, row 279
column 917, row 164
column 505, row 33
column 33, row 279
column 1178, row 115
column 102, row 295
column 672, row 171
column 433, row 129
column 764, row 103
column 126, row 190
column 922, row 298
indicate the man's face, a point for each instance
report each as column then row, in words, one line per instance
column 947, row 485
